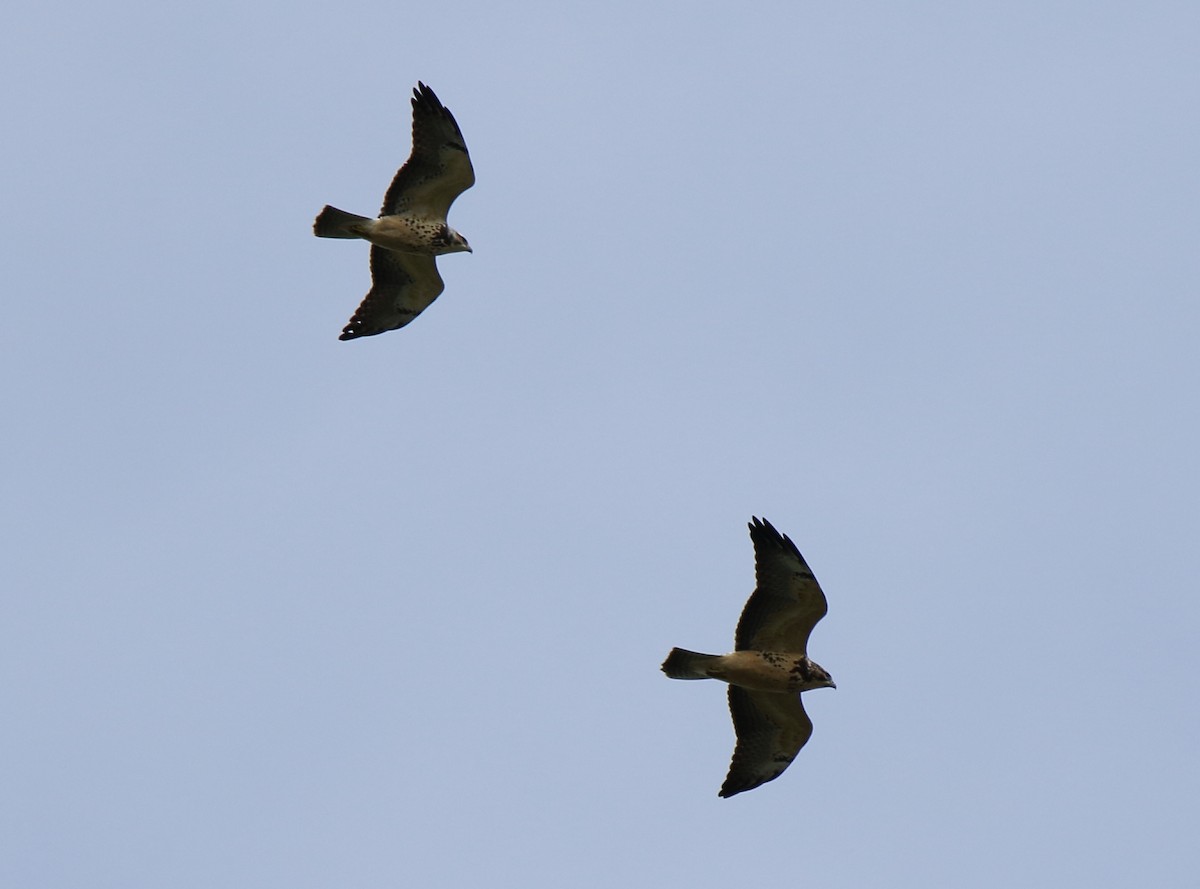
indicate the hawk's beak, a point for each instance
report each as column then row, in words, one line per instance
column 832, row 684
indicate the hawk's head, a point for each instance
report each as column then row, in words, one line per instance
column 813, row 675
column 447, row 240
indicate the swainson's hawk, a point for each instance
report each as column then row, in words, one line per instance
column 411, row 229
column 769, row 666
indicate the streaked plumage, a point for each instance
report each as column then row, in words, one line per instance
column 769, row 666
column 411, row 228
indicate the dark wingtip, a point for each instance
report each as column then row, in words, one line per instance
column 733, row 788
column 761, row 528
column 423, row 95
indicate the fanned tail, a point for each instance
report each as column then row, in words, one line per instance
column 684, row 664
column 334, row 223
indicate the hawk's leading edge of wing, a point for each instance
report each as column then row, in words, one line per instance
column 439, row 168
column 771, row 728
column 402, row 286
column 787, row 601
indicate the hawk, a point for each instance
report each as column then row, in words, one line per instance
column 769, row 666
column 411, row 229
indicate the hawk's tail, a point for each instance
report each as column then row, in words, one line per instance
column 334, row 223
column 684, row 664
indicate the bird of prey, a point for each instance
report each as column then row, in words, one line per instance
column 411, row 229
column 769, row 666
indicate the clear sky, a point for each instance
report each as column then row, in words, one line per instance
column 916, row 282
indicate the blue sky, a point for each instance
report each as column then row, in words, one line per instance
column 917, row 283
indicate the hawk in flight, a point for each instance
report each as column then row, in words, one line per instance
column 769, row 666
column 411, row 229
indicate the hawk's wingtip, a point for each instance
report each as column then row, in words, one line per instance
column 758, row 527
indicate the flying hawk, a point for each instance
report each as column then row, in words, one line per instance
column 769, row 666
column 411, row 229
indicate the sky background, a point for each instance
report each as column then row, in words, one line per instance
column 916, row 282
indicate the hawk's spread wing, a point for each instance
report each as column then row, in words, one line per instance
column 771, row 728
column 402, row 286
column 439, row 168
column 787, row 601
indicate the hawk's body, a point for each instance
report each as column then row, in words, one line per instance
column 411, row 228
column 401, row 232
column 769, row 666
column 758, row 670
